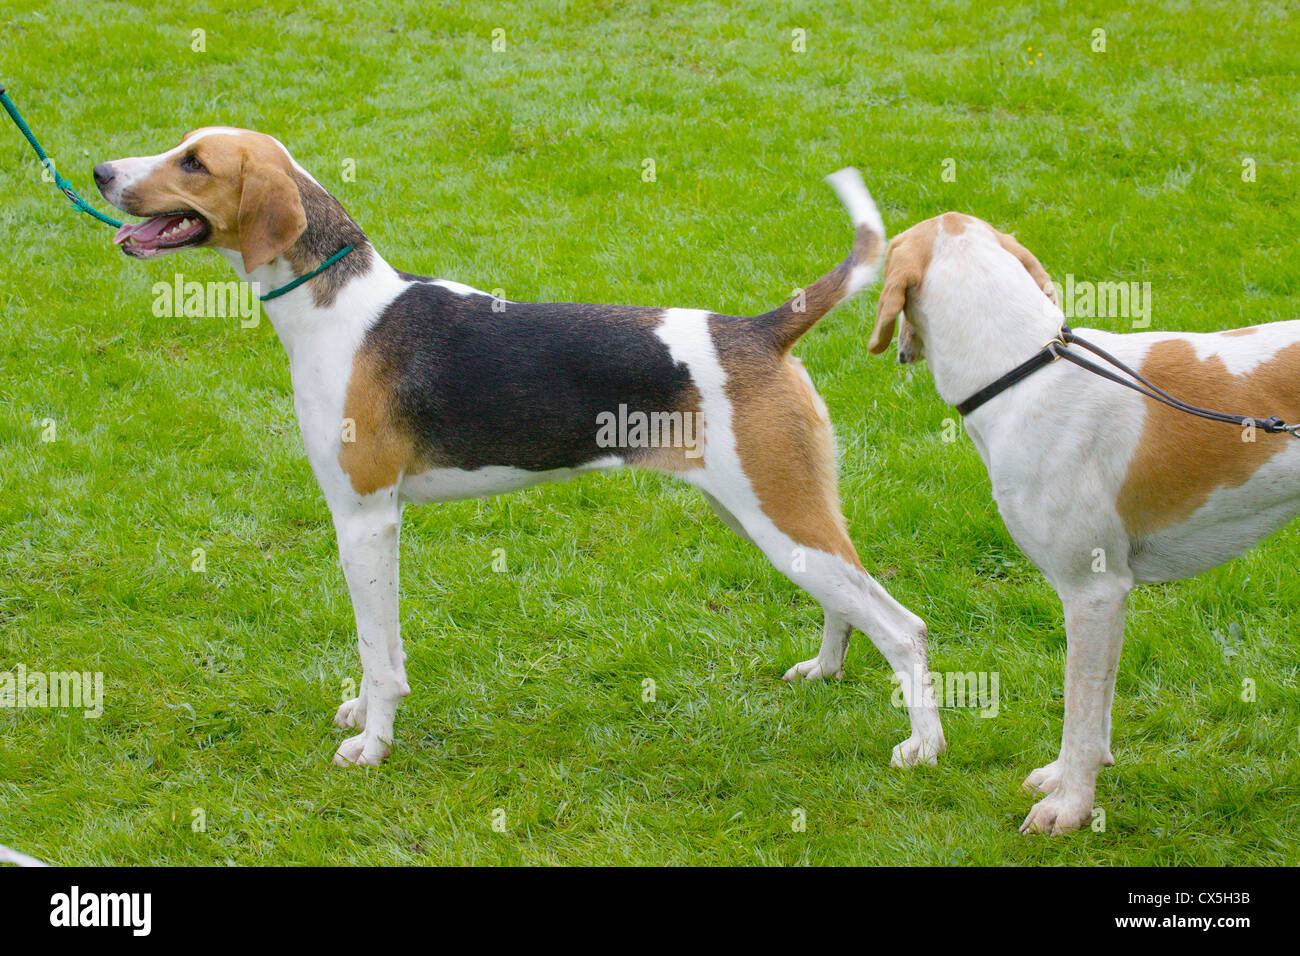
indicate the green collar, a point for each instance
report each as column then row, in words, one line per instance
column 276, row 293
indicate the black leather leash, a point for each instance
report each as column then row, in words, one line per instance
column 1058, row 349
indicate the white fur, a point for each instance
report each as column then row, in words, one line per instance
column 1241, row 354
column 848, row 185
column 453, row 484
column 459, row 288
column 19, row 859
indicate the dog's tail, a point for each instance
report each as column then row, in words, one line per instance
column 784, row 325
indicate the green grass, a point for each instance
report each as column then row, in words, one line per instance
column 521, row 171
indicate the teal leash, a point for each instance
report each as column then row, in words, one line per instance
column 276, row 293
column 59, row 182
column 78, row 203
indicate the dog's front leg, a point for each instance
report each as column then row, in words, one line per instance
column 368, row 543
column 1094, row 633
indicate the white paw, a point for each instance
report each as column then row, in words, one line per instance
column 1057, row 814
column 352, row 713
column 1044, row 779
column 814, row 669
column 363, row 750
column 916, row 750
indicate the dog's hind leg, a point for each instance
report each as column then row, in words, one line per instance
column 829, row 570
column 769, row 461
column 352, row 712
column 849, row 594
column 727, row 518
column 829, row 661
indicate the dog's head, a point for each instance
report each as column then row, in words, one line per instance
column 229, row 188
column 918, row 251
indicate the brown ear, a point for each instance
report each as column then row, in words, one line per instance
column 902, row 274
column 271, row 217
column 1031, row 264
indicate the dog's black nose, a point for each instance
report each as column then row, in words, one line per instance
column 104, row 174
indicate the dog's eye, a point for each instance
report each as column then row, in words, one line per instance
column 191, row 164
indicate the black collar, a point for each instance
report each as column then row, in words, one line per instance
column 1057, row 349
column 1048, row 354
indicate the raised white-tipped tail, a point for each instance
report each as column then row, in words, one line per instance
column 785, row 324
column 848, row 185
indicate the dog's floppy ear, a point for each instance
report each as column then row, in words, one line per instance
column 271, row 217
column 1031, row 264
column 903, row 273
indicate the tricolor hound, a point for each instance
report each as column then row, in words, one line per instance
column 410, row 389
column 1101, row 487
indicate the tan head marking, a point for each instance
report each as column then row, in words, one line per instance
column 1031, row 264
column 905, row 267
column 239, row 181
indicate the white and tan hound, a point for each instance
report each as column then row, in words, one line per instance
column 1101, row 487
column 410, row 389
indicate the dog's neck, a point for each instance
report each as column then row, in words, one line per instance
column 969, row 345
column 329, row 229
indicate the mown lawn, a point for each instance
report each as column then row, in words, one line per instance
column 521, row 169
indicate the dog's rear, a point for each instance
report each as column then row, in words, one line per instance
column 770, row 470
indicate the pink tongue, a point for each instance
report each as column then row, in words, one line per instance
column 142, row 231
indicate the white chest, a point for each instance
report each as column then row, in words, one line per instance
column 322, row 344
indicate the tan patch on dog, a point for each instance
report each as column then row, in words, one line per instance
column 381, row 451
column 955, row 223
column 1249, row 330
column 784, row 441
column 1182, row 459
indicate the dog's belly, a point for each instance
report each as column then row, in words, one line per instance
column 453, row 484
column 1230, row 523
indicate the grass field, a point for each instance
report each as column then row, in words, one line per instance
column 521, row 169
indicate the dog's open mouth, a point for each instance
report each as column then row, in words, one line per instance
column 171, row 230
